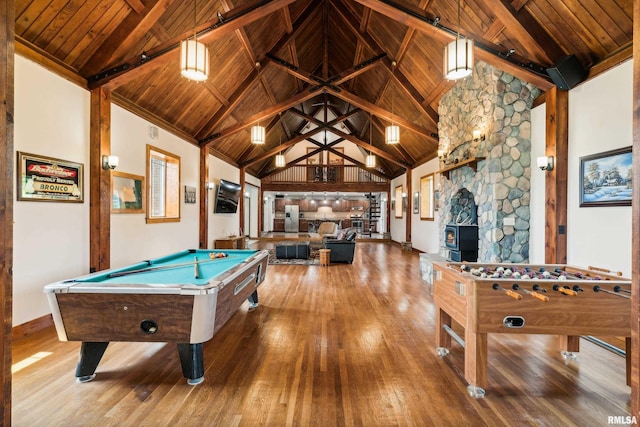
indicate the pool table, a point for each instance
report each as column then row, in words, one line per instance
column 184, row 297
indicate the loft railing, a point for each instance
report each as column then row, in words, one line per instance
column 324, row 174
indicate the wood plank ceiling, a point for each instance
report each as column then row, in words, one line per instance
column 284, row 63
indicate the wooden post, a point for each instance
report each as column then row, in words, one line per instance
column 7, row 25
column 204, row 198
column 635, row 224
column 260, row 211
column 557, row 145
column 241, row 202
column 99, row 181
column 409, row 208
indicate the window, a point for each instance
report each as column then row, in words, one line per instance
column 163, row 177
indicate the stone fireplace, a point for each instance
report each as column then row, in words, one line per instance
column 497, row 105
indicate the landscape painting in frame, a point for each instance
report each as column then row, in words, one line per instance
column 606, row 178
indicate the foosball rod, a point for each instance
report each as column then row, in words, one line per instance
column 558, row 272
column 597, row 288
column 618, row 288
column 534, row 294
column 509, row 292
column 563, row 290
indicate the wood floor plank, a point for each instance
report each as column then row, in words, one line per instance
column 343, row 345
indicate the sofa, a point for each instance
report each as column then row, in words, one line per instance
column 326, row 230
column 343, row 247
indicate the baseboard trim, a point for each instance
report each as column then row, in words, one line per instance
column 33, row 326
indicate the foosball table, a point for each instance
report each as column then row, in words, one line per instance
column 548, row 299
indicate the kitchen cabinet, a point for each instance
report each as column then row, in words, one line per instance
column 278, row 225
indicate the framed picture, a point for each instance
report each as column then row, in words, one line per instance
column 334, row 159
column 315, row 159
column 416, row 202
column 427, row 197
column 606, row 178
column 46, row 179
column 127, row 193
column 189, row 194
column 399, row 205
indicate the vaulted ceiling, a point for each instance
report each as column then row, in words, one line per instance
column 288, row 64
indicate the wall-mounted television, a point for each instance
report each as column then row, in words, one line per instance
column 227, row 197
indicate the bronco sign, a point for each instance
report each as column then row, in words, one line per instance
column 47, row 179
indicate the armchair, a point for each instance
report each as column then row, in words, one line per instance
column 326, row 230
column 342, row 249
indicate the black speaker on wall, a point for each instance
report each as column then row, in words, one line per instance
column 567, row 73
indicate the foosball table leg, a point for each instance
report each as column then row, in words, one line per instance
column 569, row 345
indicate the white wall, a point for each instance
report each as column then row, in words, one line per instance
column 425, row 235
column 51, row 239
column 538, row 198
column 252, row 187
column 600, row 119
column 132, row 239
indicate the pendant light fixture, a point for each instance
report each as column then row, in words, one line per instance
column 257, row 135
column 458, row 56
column 392, row 132
column 194, row 56
column 280, row 162
column 371, row 159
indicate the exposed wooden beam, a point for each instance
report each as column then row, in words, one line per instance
column 416, row 18
column 7, row 171
column 203, row 228
column 261, row 116
column 39, row 56
column 374, row 150
column 635, row 222
column 613, row 60
column 168, row 51
column 528, row 32
column 99, row 181
column 382, row 113
column 287, row 144
column 123, row 40
column 557, row 142
column 233, row 101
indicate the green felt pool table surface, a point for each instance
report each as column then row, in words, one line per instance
column 174, row 269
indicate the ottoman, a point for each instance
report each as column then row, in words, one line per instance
column 299, row 250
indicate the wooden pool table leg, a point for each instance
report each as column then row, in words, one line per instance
column 90, row 355
column 192, row 361
column 475, row 362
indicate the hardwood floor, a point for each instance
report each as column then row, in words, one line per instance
column 338, row 345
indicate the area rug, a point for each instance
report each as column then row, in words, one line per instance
column 314, row 259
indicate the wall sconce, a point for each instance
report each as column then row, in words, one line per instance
column 545, row 163
column 478, row 135
column 208, row 185
column 109, row 162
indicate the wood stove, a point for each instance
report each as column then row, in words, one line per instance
column 462, row 242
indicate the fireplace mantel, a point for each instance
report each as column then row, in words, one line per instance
column 472, row 163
